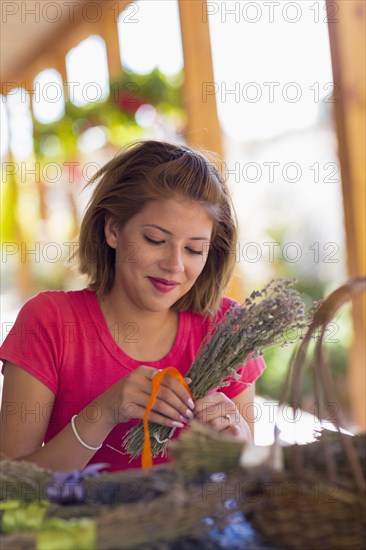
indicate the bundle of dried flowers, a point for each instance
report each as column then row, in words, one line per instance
column 263, row 320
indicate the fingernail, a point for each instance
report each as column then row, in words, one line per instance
column 177, row 424
column 190, row 403
column 182, row 419
column 188, row 380
column 189, row 414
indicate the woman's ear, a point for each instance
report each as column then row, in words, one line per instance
column 111, row 231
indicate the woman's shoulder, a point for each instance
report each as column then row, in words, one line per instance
column 226, row 303
column 50, row 301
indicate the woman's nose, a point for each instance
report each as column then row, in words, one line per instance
column 173, row 260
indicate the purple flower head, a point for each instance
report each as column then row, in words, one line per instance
column 68, row 487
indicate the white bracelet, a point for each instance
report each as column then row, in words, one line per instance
column 79, row 438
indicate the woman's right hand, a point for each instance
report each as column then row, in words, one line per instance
column 129, row 397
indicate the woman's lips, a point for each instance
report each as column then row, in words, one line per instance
column 162, row 286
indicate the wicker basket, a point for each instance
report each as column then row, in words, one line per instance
column 319, row 500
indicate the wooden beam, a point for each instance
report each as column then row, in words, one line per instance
column 66, row 35
column 42, row 50
column 346, row 23
column 108, row 30
column 203, row 128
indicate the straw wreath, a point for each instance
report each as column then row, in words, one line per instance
column 165, row 511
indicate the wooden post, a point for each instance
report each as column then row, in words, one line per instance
column 109, row 32
column 346, row 23
column 203, row 128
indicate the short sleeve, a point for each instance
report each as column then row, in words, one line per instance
column 34, row 342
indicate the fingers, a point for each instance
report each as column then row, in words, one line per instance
column 219, row 413
column 164, row 421
column 170, row 405
column 170, row 384
column 174, row 395
column 150, row 373
column 226, row 425
column 222, row 423
column 173, row 404
column 161, row 412
column 139, row 412
column 233, row 430
column 216, row 406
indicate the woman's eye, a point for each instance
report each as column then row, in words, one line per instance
column 198, row 252
column 157, row 243
column 151, row 241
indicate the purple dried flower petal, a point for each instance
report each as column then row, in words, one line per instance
column 68, row 487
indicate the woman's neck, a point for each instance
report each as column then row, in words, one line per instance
column 135, row 329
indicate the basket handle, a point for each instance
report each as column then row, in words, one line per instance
column 323, row 386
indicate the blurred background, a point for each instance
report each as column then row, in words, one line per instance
column 277, row 89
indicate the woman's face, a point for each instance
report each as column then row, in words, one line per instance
column 160, row 252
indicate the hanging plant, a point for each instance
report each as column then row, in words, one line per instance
column 59, row 140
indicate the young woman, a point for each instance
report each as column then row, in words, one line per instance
column 157, row 244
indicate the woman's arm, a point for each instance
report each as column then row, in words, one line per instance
column 24, row 424
column 26, row 406
column 245, row 404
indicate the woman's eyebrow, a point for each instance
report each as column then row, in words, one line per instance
column 169, row 233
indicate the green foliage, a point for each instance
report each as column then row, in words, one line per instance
column 9, row 200
column 116, row 114
column 312, row 287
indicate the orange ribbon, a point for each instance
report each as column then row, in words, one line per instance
column 146, row 458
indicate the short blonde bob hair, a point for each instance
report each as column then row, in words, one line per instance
column 150, row 171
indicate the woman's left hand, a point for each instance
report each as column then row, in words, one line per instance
column 222, row 415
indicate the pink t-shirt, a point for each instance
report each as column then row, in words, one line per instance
column 62, row 339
